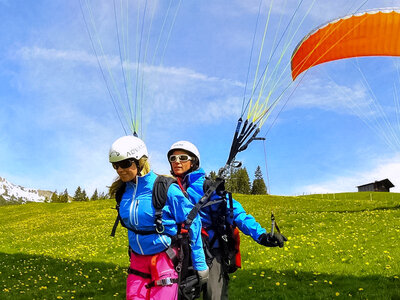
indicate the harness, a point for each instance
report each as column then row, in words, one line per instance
column 225, row 233
column 159, row 198
column 187, row 277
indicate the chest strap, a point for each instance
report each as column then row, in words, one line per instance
column 162, row 282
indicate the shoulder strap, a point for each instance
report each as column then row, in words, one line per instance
column 118, row 198
column 160, row 196
column 207, row 183
column 119, row 193
column 214, row 186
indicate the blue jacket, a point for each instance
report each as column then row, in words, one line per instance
column 137, row 213
column 246, row 223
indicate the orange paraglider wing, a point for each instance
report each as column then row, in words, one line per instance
column 370, row 33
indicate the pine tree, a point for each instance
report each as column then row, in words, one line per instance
column 63, row 198
column 80, row 195
column 258, row 187
column 238, row 181
column 54, row 197
column 213, row 175
column 84, row 196
column 231, row 181
column 243, row 181
column 95, row 196
column 102, row 196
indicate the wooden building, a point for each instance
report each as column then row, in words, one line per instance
column 377, row 186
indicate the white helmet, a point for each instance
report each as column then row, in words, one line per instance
column 127, row 147
column 185, row 146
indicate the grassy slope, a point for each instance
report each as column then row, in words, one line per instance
column 340, row 246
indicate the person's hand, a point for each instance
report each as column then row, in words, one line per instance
column 203, row 276
column 275, row 240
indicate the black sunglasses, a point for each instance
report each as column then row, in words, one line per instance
column 124, row 164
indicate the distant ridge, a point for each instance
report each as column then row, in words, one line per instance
column 15, row 194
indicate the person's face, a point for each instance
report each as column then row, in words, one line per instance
column 180, row 167
column 126, row 173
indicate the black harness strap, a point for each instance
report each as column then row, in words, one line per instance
column 118, row 198
column 207, row 194
column 138, row 273
column 117, row 220
column 174, row 258
column 160, row 192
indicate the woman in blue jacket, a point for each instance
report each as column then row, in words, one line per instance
column 151, row 274
column 184, row 159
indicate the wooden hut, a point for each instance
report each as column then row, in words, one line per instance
column 377, row 186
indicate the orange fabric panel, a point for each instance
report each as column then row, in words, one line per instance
column 372, row 33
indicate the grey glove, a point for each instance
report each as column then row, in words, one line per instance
column 275, row 240
column 203, row 276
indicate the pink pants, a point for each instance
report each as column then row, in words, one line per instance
column 161, row 268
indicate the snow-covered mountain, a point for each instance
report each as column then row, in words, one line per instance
column 11, row 193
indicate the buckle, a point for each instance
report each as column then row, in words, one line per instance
column 165, row 281
column 225, row 238
column 159, row 228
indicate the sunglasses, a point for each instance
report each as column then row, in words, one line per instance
column 123, row 164
column 179, row 157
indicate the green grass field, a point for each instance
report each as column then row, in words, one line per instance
column 340, row 246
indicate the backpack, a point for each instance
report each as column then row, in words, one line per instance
column 225, row 233
column 188, row 279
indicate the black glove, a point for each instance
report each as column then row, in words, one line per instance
column 275, row 240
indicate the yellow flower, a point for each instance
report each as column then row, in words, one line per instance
column 278, row 283
column 360, row 289
column 337, row 294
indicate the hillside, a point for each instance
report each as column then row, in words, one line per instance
column 15, row 194
column 340, row 246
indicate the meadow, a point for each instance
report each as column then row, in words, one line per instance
column 340, row 246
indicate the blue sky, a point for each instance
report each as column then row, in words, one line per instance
column 57, row 120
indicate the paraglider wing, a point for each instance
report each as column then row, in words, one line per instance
column 370, row 33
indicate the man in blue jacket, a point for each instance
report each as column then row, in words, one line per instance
column 184, row 159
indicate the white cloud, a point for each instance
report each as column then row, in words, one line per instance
column 328, row 95
column 46, row 54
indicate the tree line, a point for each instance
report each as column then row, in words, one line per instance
column 238, row 181
column 80, row 195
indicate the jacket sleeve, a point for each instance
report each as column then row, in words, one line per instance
column 245, row 222
column 181, row 206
